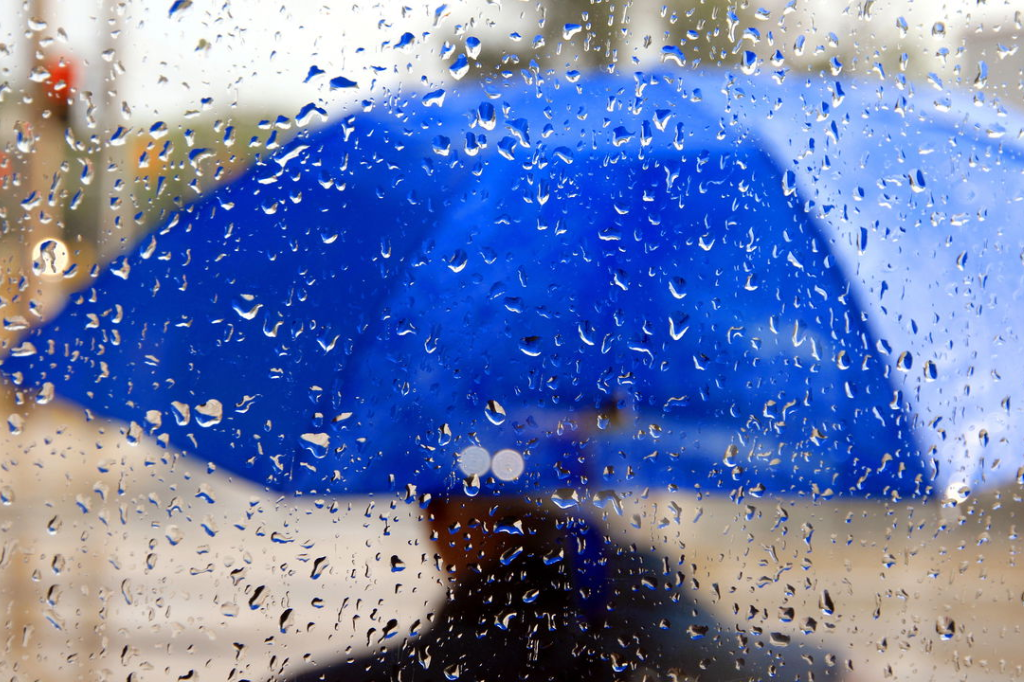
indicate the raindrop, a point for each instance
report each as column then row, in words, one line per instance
column 495, row 412
column 485, row 116
column 209, row 413
column 287, row 620
column 530, row 345
column 674, row 54
column 981, row 80
column 945, row 627
column 316, row 444
column 259, row 595
column 460, row 67
column 621, row 136
column 389, row 630
column 179, row 6
column 789, row 183
column 905, row 361
column 563, row 154
column 471, row 485
column 442, row 146
column 565, row 498
column 749, row 62
column 510, row 555
column 917, row 183
column 397, row 565
column 569, row 30
column 340, row 82
column 182, row 413
column 405, row 41
column 826, row 604
column 730, row 459
column 205, row 493
column 694, row 631
column 434, row 99
column 174, row 535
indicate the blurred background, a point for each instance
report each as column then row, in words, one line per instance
column 121, row 560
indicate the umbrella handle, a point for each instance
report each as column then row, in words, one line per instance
column 589, row 568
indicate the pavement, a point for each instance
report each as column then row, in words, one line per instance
column 119, row 557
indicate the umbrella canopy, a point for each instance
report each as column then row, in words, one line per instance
column 672, row 280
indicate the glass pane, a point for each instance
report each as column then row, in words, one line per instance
column 510, row 340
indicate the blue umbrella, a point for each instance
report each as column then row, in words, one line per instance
column 668, row 280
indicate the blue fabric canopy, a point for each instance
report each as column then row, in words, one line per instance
column 647, row 280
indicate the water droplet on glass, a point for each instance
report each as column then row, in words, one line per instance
column 789, row 183
column 530, row 345
column 460, row 67
column 569, row 30
column 565, row 498
column 209, row 413
column 434, row 98
column 730, row 459
column 674, row 54
column 945, row 627
column 495, row 412
column 178, row 6
column 406, row 40
column 826, row 604
column 340, row 82
column 749, row 62
column 471, row 485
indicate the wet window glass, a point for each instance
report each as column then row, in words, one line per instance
column 510, row 340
